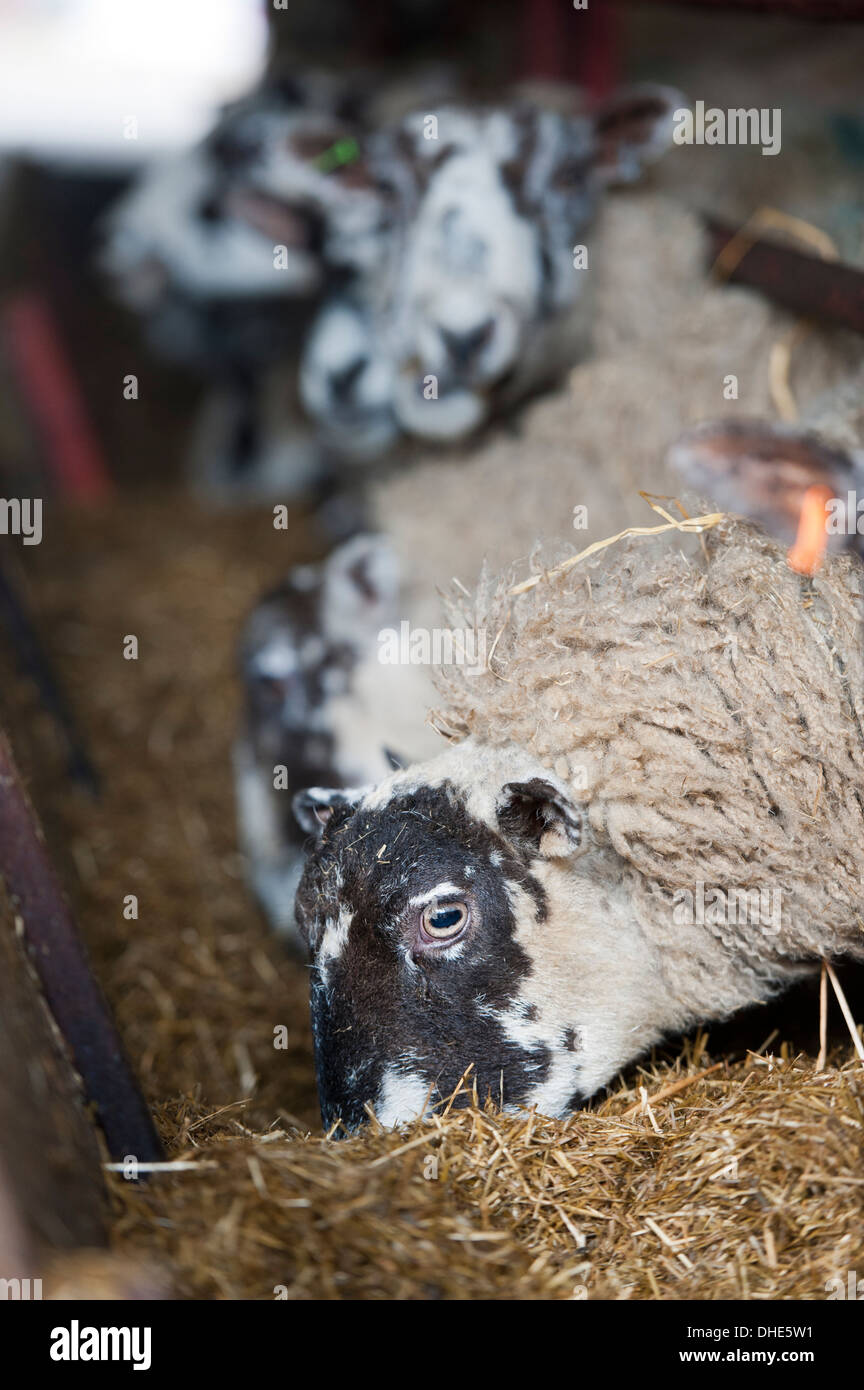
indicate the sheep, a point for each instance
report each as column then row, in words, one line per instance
column 222, row 249
column 666, row 338
column 313, row 710
column 199, row 228
column 650, row 816
column 480, row 299
column 445, row 242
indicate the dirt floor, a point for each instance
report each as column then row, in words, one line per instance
column 746, row 1183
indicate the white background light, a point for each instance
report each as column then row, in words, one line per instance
column 73, row 73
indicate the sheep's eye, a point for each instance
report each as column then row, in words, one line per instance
column 444, row 921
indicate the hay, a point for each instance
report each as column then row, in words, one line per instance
column 694, row 525
column 745, row 1183
column 634, row 1198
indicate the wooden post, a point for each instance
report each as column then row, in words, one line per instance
column 51, row 1189
column 46, row 931
column 803, row 283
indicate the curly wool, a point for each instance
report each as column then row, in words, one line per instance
column 708, row 714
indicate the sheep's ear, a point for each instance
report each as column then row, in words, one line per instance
column 540, row 815
column 633, row 128
column 763, row 471
column 315, row 806
column 361, row 586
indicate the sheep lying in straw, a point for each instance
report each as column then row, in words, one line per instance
column 321, row 704
column 651, row 816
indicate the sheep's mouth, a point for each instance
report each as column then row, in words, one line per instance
column 454, row 412
column 286, row 222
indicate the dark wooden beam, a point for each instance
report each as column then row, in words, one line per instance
column 50, row 938
column 52, row 1196
column 805, row 284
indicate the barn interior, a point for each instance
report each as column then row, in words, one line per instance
column 128, row 762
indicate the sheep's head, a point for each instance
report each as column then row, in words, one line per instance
column 491, row 204
column 432, row 908
column 347, row 379
column 300, row 652
column 281, row 168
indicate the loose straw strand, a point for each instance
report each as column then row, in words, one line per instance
column 823, row 1018
column 689, row 525
column 847, row 1012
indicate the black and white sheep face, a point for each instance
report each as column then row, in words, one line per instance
column 425, row 904
column 281, row 170
column 487, row 208
column 499, row 198
column 347, row 380
column 303, row 654
column 321, row 709
column 303, row 651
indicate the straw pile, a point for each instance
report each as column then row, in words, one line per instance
column 749, row 1182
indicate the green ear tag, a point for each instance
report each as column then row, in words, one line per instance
column 344, row 151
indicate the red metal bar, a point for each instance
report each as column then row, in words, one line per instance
column 54, row 398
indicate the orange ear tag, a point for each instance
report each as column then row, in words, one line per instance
column 808, row 552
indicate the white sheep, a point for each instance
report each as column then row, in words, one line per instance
column 651, row 817
column 313, row 688
column 201, row 226
column 449, row 246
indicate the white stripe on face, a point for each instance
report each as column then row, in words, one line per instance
column 441, row 890
column 403, row 1097
column 334, row 939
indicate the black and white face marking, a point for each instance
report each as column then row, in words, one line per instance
column 486, row 256
column 416, row 903
column 485, row 216
column 300, row 652
column 347, row 379
column 283, row 168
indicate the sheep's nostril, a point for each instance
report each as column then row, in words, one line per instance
column 343, row 383
column 463, row 348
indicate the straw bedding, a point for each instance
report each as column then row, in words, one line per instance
column 746, row 1184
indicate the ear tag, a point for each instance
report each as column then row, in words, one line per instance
column 344, row 151
column 811, row 542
